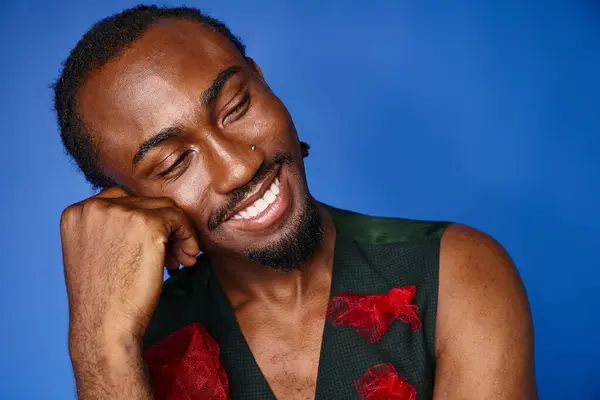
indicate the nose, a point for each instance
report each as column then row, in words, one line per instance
column 230, row 164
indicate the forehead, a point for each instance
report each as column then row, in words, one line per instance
column 177, row 45
column 152, row 84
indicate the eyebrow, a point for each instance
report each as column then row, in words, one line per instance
column 214, row 90
column 207, row 97
column 164, row 134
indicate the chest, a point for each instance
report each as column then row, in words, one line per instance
column 287, row 352
column 267, row 355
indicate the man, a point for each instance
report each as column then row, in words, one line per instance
column 162, row 109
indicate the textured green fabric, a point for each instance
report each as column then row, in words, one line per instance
column 372, row 255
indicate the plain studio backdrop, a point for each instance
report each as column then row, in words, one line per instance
column 484, row 113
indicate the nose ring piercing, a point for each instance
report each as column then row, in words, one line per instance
column 253, row 148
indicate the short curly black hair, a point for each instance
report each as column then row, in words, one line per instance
column 106, row 40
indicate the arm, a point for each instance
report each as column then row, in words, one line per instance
column 117, row 373
column 114, row 248
column 484, row 334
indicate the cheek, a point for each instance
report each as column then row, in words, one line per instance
column 190, row 193
column 190, row 188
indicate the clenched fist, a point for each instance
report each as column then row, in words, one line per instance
column 115, row 247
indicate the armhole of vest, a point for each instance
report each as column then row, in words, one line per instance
column 176, row 291
column 436, row 288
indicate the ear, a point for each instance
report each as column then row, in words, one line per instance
column 255, row 67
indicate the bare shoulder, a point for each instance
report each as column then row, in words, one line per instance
column 473, row 260
column 484, row 334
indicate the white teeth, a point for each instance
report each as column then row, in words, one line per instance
column 261, row 204
column 252, row 211
column 275, row 187
column 269, row 197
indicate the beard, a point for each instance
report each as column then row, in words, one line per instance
column 296, row 246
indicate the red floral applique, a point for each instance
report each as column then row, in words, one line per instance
column 186, row 365
column 371, row 315
column 382, row 382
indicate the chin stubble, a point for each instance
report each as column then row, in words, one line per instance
column 295, row 248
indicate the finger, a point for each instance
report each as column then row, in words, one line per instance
column 183, row 248
column 171, row 261
column 177, row 229
column 146, row 203
column 112, row 193
column 181, row 256
column 171, row 256
column 143, row 203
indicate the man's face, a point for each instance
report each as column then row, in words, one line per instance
column 182, row 114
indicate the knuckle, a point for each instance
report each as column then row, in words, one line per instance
column 67, row 216
column 139, row 217
column 68, row 212
column 92, row 205
column 113, row 191
column 168, row 201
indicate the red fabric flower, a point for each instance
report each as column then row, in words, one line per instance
column 382, row 382
column 186, row 366
column 371, row 315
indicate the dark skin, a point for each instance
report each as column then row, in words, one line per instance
column 162, row 84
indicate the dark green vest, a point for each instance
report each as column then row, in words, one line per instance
column 372, row 255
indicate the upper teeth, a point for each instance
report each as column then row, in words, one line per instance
column 261, row 204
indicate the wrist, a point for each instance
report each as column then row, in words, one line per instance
column 114, row 367
column 107, row 348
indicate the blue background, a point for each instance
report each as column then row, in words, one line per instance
column 484, row 113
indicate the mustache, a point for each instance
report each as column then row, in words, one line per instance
column 239, row 194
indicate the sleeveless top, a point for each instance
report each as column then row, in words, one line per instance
column 372, row 255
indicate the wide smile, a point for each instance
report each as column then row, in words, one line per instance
column 263, row 207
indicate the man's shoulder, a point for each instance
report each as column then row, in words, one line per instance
column 371, row 229
column 473, row 260
column 487, row 327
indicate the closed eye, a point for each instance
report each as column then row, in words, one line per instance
column 176, row 164
column 240, row 107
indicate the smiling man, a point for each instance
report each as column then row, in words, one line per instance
column 162, row 109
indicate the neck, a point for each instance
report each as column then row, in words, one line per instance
column 244, row 281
